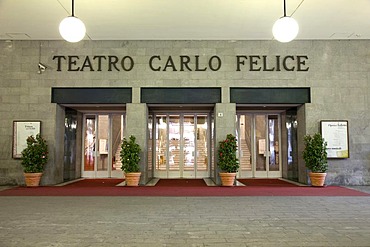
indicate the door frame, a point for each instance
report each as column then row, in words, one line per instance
column 253, row 173
column 110, row 172
column 181, row 173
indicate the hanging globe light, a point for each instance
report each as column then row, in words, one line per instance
column 285, row 29
column 71, row 28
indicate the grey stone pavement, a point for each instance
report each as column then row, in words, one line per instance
column 185, row 221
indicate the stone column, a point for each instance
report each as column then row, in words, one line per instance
column 224, row 124
column 301, row 131
column 137, row 125
column 53, row 173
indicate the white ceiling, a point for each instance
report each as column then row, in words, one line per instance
column 184, row 19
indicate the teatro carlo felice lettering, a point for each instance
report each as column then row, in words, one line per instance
column 180, row 63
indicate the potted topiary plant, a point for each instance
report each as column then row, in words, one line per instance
column 130, row 160
column 34, row 158
column 315, row 157
column 227, row 160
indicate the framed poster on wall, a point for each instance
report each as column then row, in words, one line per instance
column 22, row 130
column 335, row 133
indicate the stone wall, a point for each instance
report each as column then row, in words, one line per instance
column 338, row 75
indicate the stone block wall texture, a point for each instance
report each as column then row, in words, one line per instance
column 339, row 77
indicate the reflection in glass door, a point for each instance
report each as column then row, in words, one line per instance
column 103, row 135
column 89, row 140
column 181, row 145
column 259, row 141
column 174, row 145
column 244, row 137
column 188, row 143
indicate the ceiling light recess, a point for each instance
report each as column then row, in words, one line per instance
column 285, row 29
column 71, row 28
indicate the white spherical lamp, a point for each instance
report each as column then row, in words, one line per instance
column 285, row 29
column 72, row 29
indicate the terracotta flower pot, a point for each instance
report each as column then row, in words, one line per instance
column 317, row 179
column 227, row 179
column 32, row 179
column 132, row 178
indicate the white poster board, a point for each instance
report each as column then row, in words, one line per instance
column 21, row 131
column 335, row 134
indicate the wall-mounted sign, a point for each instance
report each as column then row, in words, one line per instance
column 21, row 131
column 335, row 134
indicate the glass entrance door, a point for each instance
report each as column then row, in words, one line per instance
column 181, row 146
column 102, row 139
column 258, row 144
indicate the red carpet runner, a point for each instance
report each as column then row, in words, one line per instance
column 102, row 187
column 266, row 182
column 181, row 183
column 101, row 182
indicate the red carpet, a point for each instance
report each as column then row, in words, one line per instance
column 182, row 191
column 101, row 182
column 181, row 183
column 266, row 182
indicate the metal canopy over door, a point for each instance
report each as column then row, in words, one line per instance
column 182, row 145
column 258, row 145
column 102, row 139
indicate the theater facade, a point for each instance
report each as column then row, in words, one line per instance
column 179, row 99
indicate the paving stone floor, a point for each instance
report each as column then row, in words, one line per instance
column 184, row 221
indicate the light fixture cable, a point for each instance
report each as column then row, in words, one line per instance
column 285, row 29
column 72, row 28
column 284, row 9
column 299, row 5
column 73, row 8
